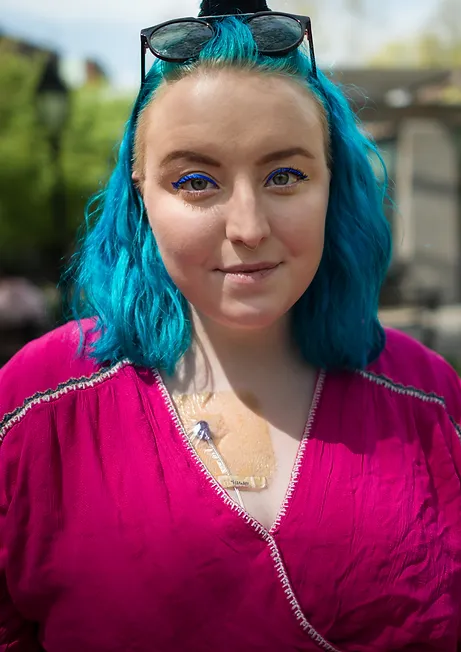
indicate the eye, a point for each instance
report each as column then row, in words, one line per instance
column 283, row 178
column 198, row 183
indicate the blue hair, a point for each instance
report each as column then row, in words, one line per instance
column 118, row 277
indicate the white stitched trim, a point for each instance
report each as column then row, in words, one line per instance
column 256, row 525
column 51, row 395
column 295, row 606
column 456, row 427
column 203, row 469
column 302, row 448
column 405, row 390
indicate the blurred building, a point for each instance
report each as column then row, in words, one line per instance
column 415, row 116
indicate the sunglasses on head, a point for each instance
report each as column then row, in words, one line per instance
column 181, row 40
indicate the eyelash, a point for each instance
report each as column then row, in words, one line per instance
column 195, row 193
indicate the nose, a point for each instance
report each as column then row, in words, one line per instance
column 246, row 221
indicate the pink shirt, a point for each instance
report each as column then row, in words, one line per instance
column 114, row 537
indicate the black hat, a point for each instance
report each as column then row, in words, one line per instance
column 231, row 7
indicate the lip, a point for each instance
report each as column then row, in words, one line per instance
column 253, row 267
column 249, row 276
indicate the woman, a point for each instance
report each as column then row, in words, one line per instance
column 231, row 452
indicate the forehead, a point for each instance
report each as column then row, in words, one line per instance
column 235, row 112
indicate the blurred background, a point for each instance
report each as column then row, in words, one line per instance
column 68, row 76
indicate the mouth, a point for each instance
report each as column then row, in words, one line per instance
column 249, row 275
column 249, row 269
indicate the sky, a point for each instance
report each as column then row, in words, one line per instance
column 108, row 30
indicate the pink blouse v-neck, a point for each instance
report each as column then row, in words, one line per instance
column 115, row 538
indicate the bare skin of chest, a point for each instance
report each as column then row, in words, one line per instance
column 255, row 437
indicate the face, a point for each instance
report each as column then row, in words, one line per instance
column 235, row 183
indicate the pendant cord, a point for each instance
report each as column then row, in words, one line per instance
column 203, row 433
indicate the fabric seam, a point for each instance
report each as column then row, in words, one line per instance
column 255, row 524
column 413, row 392
column 298, row 465
column 10, row 419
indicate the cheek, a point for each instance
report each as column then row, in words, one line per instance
column 302, row 229
column 184, row 235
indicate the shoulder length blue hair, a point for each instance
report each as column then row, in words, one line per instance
column 118, row 277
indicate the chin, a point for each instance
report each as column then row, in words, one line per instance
column 248, row 319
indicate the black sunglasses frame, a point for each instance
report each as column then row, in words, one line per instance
column 304, row 22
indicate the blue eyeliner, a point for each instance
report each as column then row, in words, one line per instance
column 189, row 177
column 301, row 176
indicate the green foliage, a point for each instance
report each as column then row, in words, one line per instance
column 27, row 173
column 90, row 145
column 24, row 176
column 439, row 46
column 426, row 51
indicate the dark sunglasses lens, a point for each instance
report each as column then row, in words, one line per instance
column 272, row 33
column 182, row 40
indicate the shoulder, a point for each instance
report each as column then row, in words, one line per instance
column 48, row 367
column 409, row 368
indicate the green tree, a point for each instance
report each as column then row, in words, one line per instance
column 26, row 173
column 90, row 147
column 425, row 51
column 439, row 46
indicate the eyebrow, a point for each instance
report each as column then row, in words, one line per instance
column 197, row 157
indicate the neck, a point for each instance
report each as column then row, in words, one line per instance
column 222, row 357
